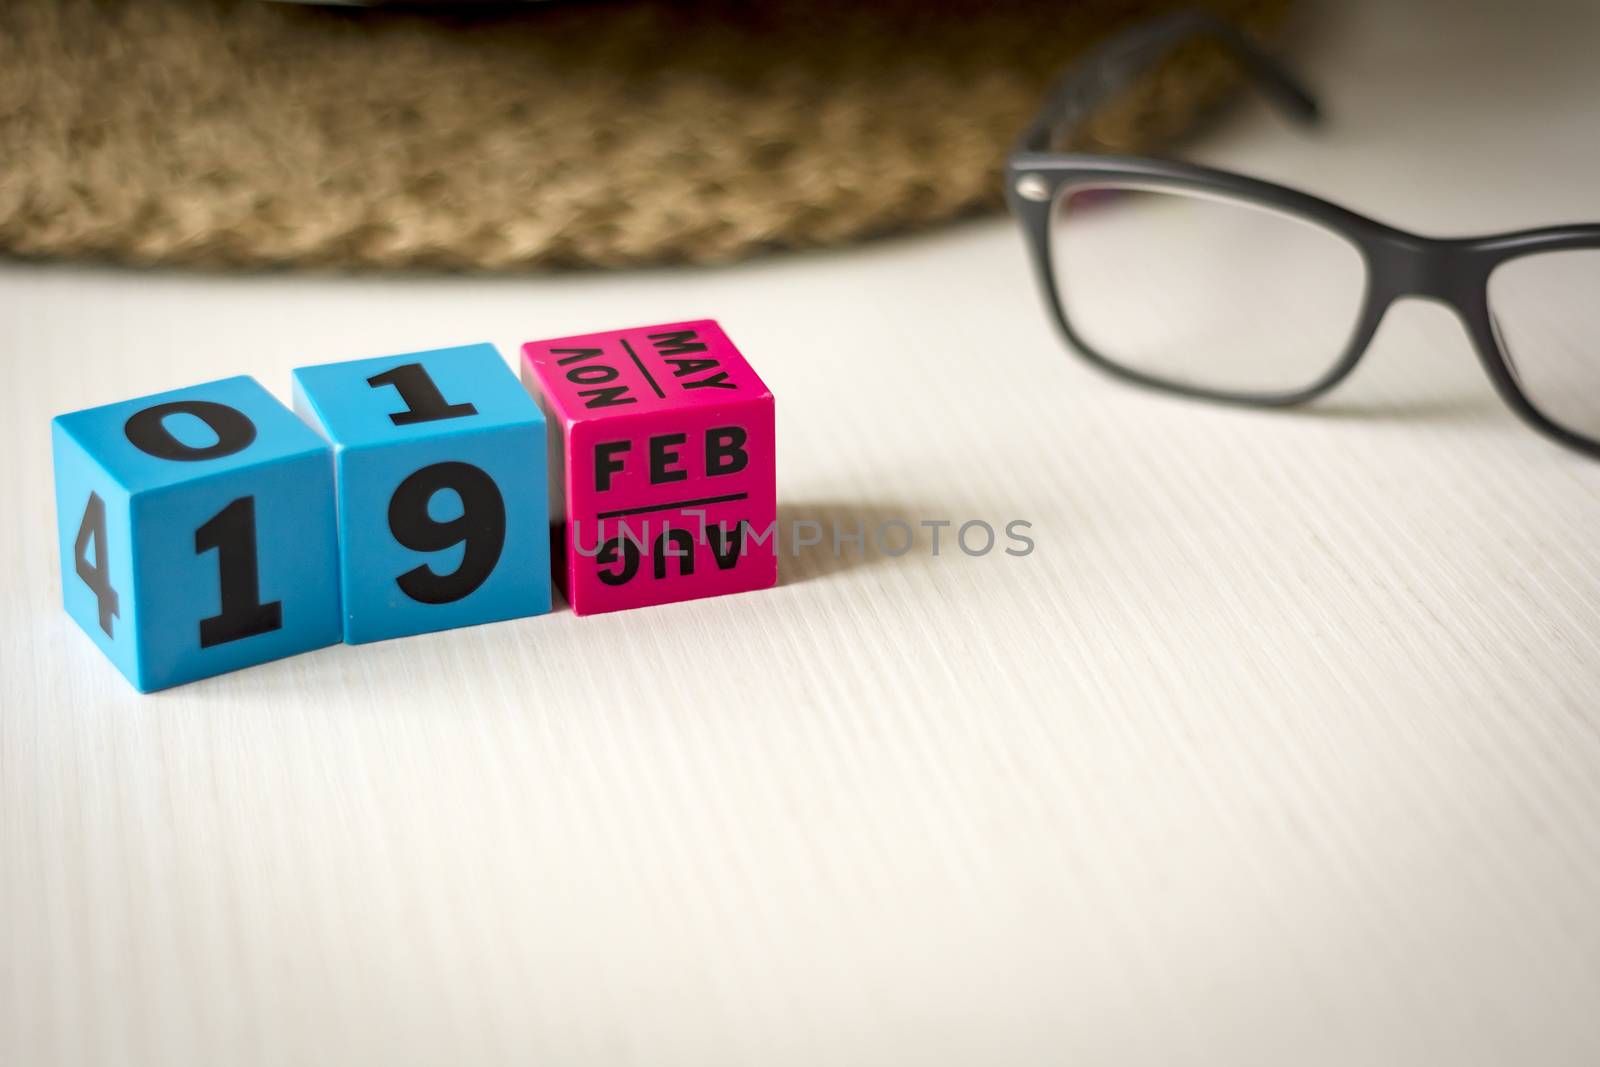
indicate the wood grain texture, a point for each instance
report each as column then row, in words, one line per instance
column 1283, row 747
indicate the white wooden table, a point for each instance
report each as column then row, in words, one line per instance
column 1283, row 746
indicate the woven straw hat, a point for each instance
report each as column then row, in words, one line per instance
column 231, row 132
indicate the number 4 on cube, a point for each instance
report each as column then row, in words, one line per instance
column 197, row 531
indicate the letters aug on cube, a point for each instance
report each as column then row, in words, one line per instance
column 207, row 529
column 666, row 488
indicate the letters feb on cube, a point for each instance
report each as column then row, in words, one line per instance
column 663, row 482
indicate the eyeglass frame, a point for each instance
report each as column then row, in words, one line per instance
column 1454, row 271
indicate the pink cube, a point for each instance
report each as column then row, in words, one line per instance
column 663, row 472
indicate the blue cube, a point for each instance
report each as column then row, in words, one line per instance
column 197, row 531
column 439, row 466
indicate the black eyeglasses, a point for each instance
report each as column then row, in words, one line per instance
column 1215, row 285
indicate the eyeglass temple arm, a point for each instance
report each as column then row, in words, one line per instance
column 1111, row 67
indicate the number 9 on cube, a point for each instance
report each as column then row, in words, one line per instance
column 197, row 531
column 440, row 473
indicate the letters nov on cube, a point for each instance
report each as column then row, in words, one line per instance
column 197, row 531
column 664, row 472
column 440, row 475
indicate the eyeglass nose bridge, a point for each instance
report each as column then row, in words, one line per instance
column 1407, row 265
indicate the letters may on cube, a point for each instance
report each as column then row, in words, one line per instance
column 667, row 479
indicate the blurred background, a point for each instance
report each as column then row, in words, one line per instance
column 569, row 133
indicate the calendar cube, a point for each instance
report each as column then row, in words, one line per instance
column 439, row 460
column 665, row 483
column 197, row 531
